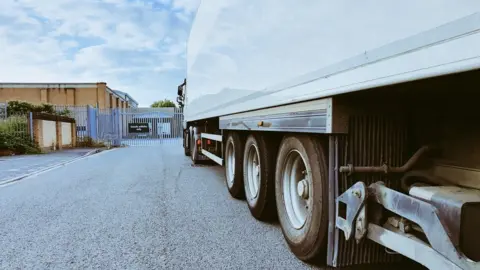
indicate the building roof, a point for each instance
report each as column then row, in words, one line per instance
column 46, row 85
column 120, row 94
column 126, row 95
column 150, row 115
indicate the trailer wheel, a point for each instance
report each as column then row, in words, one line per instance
column 259, row 177
column 186, row 142
column 234, row 165
column 193, row 144
column 301, row 195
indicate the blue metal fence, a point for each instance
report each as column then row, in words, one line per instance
column 84, row 120
column 113, row 126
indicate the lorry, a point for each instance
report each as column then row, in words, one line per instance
column 354, row 123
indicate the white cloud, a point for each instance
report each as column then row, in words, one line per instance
column 136, row 46
column 188, row 6
column 68, row 44
column 183, row 16
column 164, row 2
column 166, row 66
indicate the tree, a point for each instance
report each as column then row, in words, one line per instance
column 163, row 103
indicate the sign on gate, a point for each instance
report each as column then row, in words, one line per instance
column 138, row 128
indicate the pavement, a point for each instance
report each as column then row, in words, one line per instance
column 134, row 208
column 12, row 167
column 151, row 141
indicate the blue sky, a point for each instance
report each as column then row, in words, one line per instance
column 135, row 46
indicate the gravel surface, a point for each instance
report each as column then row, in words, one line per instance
column 134, row 208
column 13, row 166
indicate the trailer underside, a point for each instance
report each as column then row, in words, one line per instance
column 399, row 166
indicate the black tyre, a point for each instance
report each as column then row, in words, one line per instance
column 193, row 145
column 301, row 186
column 234, row 165
column 259, row 177
column 187, row 143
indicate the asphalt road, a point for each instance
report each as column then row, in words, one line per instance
column 134, row 208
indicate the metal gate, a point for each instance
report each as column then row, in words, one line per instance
column 150, row 126
column 126, row 126
column 108, row 126
column 83, row 115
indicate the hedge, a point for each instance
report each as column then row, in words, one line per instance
column 23, row 108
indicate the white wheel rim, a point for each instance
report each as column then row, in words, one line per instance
column 230, row 164
column 253, row 171
column 296, row 189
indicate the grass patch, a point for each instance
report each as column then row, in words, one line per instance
column 88, row 142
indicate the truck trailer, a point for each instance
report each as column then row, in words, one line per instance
column 354, row 123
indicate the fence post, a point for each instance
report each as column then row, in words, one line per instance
column 30, row 125
column 92, row 122
column 116, row 128
column 73, row 130
column 58, row 135
column 121, row 112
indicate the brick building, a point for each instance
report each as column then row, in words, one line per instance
column 74, row 94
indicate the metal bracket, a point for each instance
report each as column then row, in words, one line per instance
column 427, row 217
column 354, row 199
column 361, row 224
column 438, row 251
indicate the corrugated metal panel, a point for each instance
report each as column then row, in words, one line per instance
column 372, row 140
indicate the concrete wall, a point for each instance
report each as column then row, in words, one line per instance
column 51, row 132
column 108, row 100
column 66, row 133
column 60, row 94
column 27, row 94
column 86, row 96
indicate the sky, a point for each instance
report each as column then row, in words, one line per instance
column 136, row 46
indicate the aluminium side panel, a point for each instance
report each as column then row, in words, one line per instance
column 251, row 55
column 311, row 117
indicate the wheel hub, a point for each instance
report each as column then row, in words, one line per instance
column 256, row 169
column 302, row 189
column 230, row 164
column 252, row 172
column 296, row 189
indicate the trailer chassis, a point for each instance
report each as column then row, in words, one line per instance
column 438, row 252
column 433, row 224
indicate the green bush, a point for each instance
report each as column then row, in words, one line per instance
column 64, row 112
column 18, row 143
column 14, row 136
column 23, row 108
column 14, row 123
